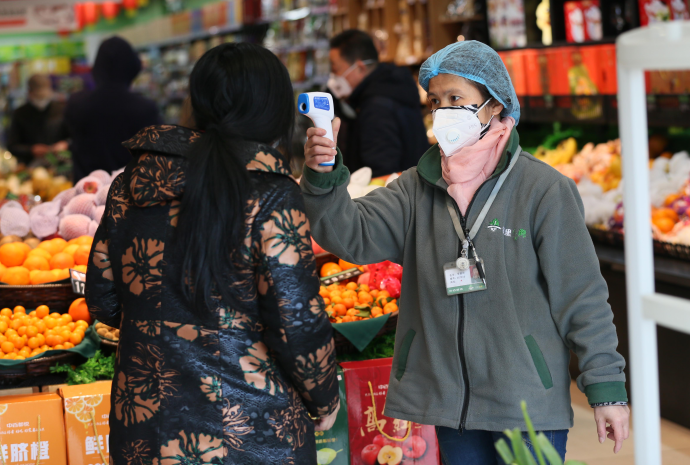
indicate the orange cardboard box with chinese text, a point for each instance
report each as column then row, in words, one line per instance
column 19, row 430
column 87, row 411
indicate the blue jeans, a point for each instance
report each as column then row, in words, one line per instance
column 474, row 447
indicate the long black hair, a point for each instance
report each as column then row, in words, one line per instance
column 240, row 93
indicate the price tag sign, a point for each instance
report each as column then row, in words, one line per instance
column 78, row 280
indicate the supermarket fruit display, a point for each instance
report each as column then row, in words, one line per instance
column 33, row 182
column 73, row 212
column 597, row 170
column 32, row 262
column 24, row 335
column 107, row 332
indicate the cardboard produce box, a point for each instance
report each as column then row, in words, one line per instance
column 19, row 430
column 85, row 405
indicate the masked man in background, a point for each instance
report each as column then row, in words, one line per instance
column 380, row 107
column 37, row 127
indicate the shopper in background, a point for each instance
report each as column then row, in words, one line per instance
column 37, row 127
column 204, row 261
column 469, row 350
column 100, row 119
column 383, row 128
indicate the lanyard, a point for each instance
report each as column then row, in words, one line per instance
column 482, row 215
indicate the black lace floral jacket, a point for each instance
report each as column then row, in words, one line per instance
column 235, row 386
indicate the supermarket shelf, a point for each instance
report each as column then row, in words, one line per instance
column 460, row 19
column 662, row 110
column 300, row 47
column 200, row 35
column 539, row 46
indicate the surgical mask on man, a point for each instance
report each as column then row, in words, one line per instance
column 340, row 87
column 40, row 104
column 458, row 127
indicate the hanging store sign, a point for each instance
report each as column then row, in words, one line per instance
column 22, row 16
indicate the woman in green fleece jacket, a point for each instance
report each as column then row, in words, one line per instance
column 501, row 278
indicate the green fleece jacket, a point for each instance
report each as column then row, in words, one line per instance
column 467, row 361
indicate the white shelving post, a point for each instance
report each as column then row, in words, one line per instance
column 663, row 46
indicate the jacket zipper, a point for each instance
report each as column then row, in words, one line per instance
column 461, row 346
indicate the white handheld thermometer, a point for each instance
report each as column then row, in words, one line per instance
column 318, row 106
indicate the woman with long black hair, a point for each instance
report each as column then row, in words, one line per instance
column 204, row 261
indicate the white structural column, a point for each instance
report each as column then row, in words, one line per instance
column 662, row 47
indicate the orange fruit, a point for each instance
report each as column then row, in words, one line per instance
column 33, row 343
column 19, row 309
column 3, row 327
column 81, row 268
column 376, row 311
column 666, row 213
column 340, row 309
column 328, row 269
column 351, row 286
column 68, row 345
column 6, row 312
column 7, row 347
column 36, row 263
column 346, row 265
column 25, row 247
column 81, row 256
column 59, row 347
column 42, row 311
column 49, row 247
column 349, row 294
column 61, row 261
column 390, row 308
column 59, row 244
column 66, row 319
column 70, row 249
column 37, row 252
column 41, row 339
column 337, row 299
column 365, row 297
column 2, row 270
column 76, row 338
column 31, row 331
column 50, row 322
column 79, row 311
column 384, row 293
column 12, row 254
column 21, row 330
column 16, row 276
column 18, row 343
column 664, row 224
column 84, row 240
column 349, row 302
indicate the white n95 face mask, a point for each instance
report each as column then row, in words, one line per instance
column 458, row 127
column 339, row 85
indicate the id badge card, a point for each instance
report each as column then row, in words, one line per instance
column 462, row 281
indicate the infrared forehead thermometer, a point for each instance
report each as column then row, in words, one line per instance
column 318, row 106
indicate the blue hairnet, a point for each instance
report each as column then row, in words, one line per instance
column 479, row 63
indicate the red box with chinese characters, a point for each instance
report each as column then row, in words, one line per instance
column 87, row 412
column 375, row 438
column 536, row 72
column 22, row 444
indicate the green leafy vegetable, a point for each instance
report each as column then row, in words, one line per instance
column 98, row 367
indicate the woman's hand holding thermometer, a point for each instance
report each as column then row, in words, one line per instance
column 319, row 150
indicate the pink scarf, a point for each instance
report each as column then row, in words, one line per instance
column 471, row 166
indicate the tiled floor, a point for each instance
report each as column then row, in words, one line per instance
column 583, row 443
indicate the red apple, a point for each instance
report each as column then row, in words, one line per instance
column 380, row 440
column 90, row 187
column 414, row 447
column 389, row 455
column 370, row 453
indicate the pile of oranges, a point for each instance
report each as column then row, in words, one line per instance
column 23, row 336
column 50, row 261
column 355, row 302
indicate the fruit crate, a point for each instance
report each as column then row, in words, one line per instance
column 324, row 258
column 57, row 296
